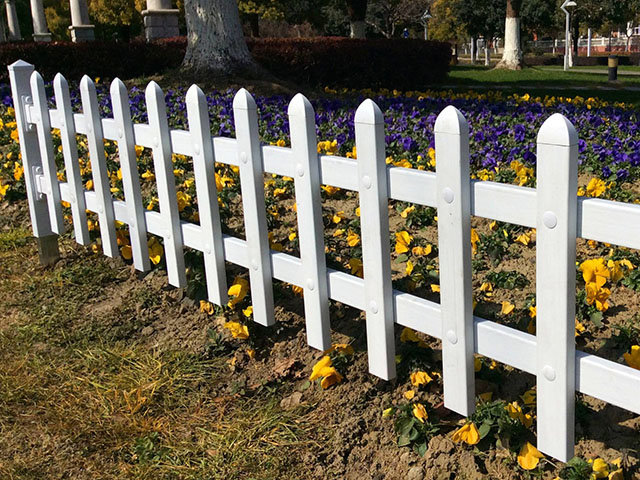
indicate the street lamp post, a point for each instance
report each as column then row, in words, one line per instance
column 425, row 23
column 567, row 33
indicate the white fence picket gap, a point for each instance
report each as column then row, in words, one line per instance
column 43, row 126
column 376, row 256
column 454, row 253
column 130, row 177
column 70, row 153
column 557, row 185
column 101, row 184
column 208, row 211
column 304, row 145
column 166, row 181
column 255, row 220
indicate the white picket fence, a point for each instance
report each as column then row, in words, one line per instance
column 553, row 208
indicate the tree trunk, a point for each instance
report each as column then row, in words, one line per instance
column 357, row 11
column 254, row 23
column 512, row 54
column 215, row 42
column 358, row 29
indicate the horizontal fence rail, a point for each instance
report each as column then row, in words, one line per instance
column 554, row 208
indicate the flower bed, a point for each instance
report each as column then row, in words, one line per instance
column 502, row 149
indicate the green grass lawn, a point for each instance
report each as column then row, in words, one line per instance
column 547, row 81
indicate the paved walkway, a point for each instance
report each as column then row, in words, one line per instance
column 630, row 73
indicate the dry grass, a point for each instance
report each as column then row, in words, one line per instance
column 81, row 398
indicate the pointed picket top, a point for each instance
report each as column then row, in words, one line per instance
column 86, row 81
column 451, row 121
column 243, row 100
column 193, row 94
column 369, row 113
column 300, row 106
column 118, row 87
column 557, row 130
column 60, row 81
column 19, row 64
column 153, row 90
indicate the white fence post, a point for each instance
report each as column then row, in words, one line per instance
column 166, row 182
column 20, row 76
column 454, row 250
column 95, row 140
column 376, row 256
column 302, row 125
column 557, row 179
column 70, row 153
column 43, row 126
column 255, row 218
column 204, row 169
column 130, row 177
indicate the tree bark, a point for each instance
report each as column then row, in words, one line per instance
column 357, row 11
column 215, row 42
column 512, row 54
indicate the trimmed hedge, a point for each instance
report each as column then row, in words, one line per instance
column 342, row 62
column 96, row 59
column 325, row 61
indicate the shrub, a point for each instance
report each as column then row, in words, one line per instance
column 323, row 61
column 96, row 59
column 353, row 63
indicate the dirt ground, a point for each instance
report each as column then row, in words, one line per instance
column 109, row 373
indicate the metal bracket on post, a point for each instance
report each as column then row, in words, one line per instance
column 38, row 177
column 27, row 103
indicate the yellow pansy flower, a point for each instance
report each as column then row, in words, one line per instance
column 529, row 457
column 237, row 329
column 420, row 378
column 595, row 187
column 468, row 434
column 420, row 412
column 237, row 291
column 633, row 358
column 353, row 239
column 403, row 240
column 409, row 268
column 155, row 251
column 206, row 307
column 507, row 307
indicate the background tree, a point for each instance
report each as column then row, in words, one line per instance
column 215, row 41
column 117, row 19
column 444, row 25
column 386, row 15
column 255, row 10
column 357, row 11
column 512, row 51
column 539, row 18
column 480, row 18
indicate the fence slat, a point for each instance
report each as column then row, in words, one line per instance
column 208, row 211
column 95, row 140
column 557, row 185
column 166, row 182
column 20, row 74
column 70, row 153
column 310, row 226
column 454, row 252
column 376, row 255
column 255, row 219
column 130, row 178
column 43, row 127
